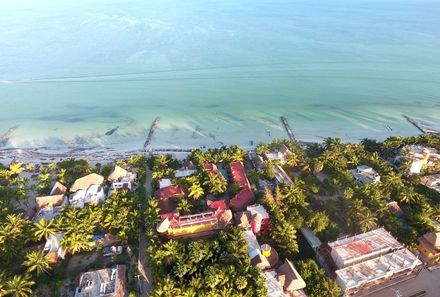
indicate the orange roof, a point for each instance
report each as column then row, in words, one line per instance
column 242, row 199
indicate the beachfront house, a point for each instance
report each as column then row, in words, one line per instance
column 49, row 207
column 365, row 175
column 87, row 189
column 122, row 179
column 108, row 282
column 418, row 156
column 370, row 259
column 281, row 156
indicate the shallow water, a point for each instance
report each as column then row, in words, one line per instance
column 215, row 71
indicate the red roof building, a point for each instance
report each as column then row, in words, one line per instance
column 245, row 196
column 239, row 174
column 169, row 192
column 165, row 202
column 242, row 199
column 210, row 168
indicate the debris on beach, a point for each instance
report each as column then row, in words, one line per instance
column 111, row 131
column 7, row 135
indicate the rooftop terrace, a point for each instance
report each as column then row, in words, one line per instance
column 361, row 247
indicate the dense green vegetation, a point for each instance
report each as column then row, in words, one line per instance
column 218, row 266
column 323, row 197
column 23, row 266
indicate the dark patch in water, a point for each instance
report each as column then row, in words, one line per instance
column 61, row 119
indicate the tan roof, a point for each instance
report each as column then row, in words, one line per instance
column 433, row 238
column 117, row 173
column 85, row 182
column 58, row 189
column 54, row 200
column 293, row 281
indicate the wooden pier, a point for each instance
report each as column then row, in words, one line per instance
column 422, row 128
column 287, row 127
column 150, row 133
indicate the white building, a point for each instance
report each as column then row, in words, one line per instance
column 418, row 156
column 87, row 189
column 164, row 183
column 365, row 175
column 108, row 282
column 184, row 172
column 122, row 179
column 359, row 248
column 369, row 259
column 432, row 181
column 282, row 155
column 377, row 270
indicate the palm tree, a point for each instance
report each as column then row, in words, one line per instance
column 20, row 286
column 216, row 183
column 195, row 191
column 15, row 168
column 3, row 287
column 367, row 221
column 292, row 161
column 36, row 261
column 44, row 228
column 76, row 242
column 184, row 206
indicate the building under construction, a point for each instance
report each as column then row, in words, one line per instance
column 370, row 259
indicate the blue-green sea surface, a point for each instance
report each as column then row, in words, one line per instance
column 215, row 72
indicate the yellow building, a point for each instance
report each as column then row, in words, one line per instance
column 429, row 246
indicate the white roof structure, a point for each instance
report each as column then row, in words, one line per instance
column 282, row 176
column 274, row 288
column 374, row 270
column 184, row 172
column 97, row 283
column 281, row 155
column 258, row 209
column 164, row 183
column 359, row 248
column 419, row 156
column 365, row 175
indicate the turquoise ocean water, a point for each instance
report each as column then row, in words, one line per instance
column 215, row 71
